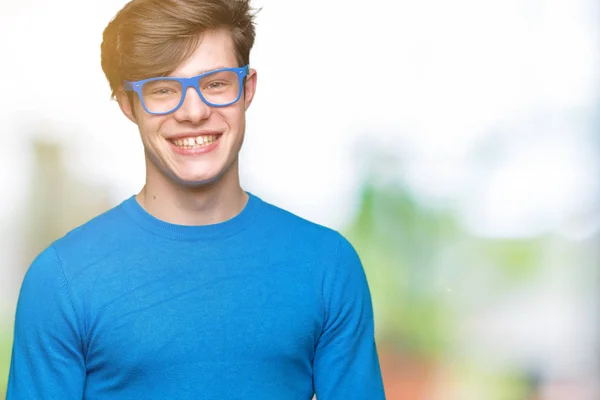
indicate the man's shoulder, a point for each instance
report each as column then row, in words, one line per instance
column 100, row 234
column 286, row 224
column 302, row 239
column 285, row 219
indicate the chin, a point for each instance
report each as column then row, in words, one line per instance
column 191, row 176
column 197, row 180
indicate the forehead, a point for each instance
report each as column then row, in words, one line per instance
column 215, row 50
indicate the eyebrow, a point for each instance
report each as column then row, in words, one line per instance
column 202, row 71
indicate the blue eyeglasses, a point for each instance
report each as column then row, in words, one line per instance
column 164, row 95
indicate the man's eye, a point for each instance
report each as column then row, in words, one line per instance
column 216, row 85
column 162, row 91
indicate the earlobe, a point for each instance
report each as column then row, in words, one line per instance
column 126, row 106
column 250, row 87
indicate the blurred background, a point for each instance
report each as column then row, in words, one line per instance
column 456, row 144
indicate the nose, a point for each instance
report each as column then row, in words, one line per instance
column 193, row 108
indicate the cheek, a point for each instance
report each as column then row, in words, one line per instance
column 236, row 119
column 149, row 126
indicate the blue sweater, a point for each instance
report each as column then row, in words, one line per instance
column 263, row 306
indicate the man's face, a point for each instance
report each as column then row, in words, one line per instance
column 197, row 143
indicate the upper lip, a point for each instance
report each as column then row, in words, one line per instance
column 185, row 135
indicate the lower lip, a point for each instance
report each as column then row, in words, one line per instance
column 196, row 151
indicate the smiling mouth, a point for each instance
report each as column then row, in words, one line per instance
column 195, row 143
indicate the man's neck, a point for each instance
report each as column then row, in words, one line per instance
column 213, row 203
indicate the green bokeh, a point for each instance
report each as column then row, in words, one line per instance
column 5, row 351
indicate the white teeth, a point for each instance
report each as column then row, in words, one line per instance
column 199, row 141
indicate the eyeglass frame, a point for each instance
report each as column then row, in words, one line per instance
column 186, row 83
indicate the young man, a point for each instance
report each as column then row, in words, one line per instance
column 193, row 288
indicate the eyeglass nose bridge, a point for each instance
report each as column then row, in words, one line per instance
column 194, row 83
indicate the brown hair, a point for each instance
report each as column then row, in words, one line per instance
column 153, row 37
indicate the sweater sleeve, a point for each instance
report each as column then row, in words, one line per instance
column 346, row 364
column 47, row 356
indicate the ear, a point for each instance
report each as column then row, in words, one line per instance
column 250, row 87
column 125, row 105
